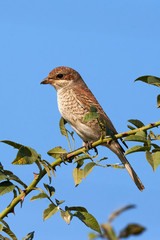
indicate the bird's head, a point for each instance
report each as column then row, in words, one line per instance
column 61, row 77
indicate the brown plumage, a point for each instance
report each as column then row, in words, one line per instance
column 74, row 101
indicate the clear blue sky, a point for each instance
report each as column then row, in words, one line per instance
column 110, row 43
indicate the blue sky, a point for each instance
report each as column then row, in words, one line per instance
column 110, row 43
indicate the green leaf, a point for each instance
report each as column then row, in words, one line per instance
column 93, row 108
column 4, row 223
column 80, row 164
column 82, row 157
column 50, row 189
column 1, row 166
column 13, row 144
column 48, row 212
column 88, row 168
column 150, row 80
column 151, row 134
column 92, row 236
column 29, row 236
column 10, row 233
column 4, row 238
column 63, row 130
column 66, row 216
column 14, row 193
column 155, row 146
column 102, row 159
column 90, row 116
column 2, row 176
column 71, row 134
column 136, row 122
column 25, row 155
column 47, row 170
column 77, row 176
column 156, row 150
column 59, row 202
column 136, row 148
column 39, row 196
column 158, row 137
column 56, row 152
column 153, row 159
column 130, row 127
column 1, row 227
column 52, row 170
column 108, row 231
column 158, row 101
column 149, row 158
column 135, row 138
column 16, row 179
column 142, row 134
column 131, row 229
column 80, row 160
column 119, row 211
column 115, row 166
column 7, row 172
column 50, row 167
column 6, row 187
column 148, row 144
column 79, row 209
column 88, row 220
column 37, row 162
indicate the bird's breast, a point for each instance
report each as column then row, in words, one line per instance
column 69, row 107
column 74, row 113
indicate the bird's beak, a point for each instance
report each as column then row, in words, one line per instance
column 46, row 81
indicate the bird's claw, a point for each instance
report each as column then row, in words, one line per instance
column 87, row 145
column 96, row 150
column 63, row 157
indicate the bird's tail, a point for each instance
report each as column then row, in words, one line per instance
column 115, row 147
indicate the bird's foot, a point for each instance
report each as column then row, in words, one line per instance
column 88, row 146
column 96, row 150
column 64, row 158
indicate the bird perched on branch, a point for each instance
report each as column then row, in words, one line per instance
column 74, row 102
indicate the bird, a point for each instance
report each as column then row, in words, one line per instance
column 74, row 100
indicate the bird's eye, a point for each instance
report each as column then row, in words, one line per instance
column 60, row 76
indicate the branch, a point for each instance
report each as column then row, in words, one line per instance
column 69, row 156
column 101, row 141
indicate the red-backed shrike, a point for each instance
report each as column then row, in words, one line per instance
column 74, row 101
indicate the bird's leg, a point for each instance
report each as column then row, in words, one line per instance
column 96, row 150
column 88, row 146
column 64, row 157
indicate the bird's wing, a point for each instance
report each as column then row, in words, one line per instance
column 86, row 99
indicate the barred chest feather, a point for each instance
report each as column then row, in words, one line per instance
column 73, row 113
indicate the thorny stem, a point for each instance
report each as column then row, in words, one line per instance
column 70, row 155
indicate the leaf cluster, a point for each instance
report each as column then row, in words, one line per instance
column 148, row 139
column 153, row 81
column 68, row 212
column 108, row 231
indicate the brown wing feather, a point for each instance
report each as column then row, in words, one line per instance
column 85, row 98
